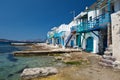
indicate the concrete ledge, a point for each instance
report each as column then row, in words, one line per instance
column 40, row 53
column 37, row 53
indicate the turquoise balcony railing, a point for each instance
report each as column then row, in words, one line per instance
column 83, row 26
column 98, row 22
column 58, row 35
column 103, row 19
column 73, row 28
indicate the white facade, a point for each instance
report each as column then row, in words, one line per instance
column 68, row 33
column 63, row 27
column 92, row 14
column 95, row 41
column 116, row 35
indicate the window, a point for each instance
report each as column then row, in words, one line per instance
column 90, row 18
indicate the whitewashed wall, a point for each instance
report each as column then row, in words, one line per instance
column 93, row 14
column 95, row 41
column 72, row 23
column 116, row 34
column 63, row 27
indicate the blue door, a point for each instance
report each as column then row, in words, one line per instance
column 89, row 44
column 59, row 40
column 62, row 41
column 72, row 43
column 78, row 40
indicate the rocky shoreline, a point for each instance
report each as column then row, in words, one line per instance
column 79, row 66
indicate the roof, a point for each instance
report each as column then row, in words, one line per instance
column 80, row 15
column 54, row 28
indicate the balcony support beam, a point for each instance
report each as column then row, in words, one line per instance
column 96, row 34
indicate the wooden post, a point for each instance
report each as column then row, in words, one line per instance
column 109, row 33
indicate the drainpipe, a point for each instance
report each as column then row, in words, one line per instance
column 109, row 31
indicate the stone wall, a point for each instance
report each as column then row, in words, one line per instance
column 116, row 34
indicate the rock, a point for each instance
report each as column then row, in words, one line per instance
column 30, row 73
column 109, row 57
column 105, row 64
column 59, row 58
column 116, row 64
column 67, row 55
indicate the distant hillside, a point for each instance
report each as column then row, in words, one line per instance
column 4, row 40
column 25, row 41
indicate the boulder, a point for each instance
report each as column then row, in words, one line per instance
column 116, row 65
column 30, row 73
column 59, row 58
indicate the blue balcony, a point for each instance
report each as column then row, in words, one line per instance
column 82, row 27
column 97, row 23
column 103, row 19
column 73, row 28
column 58, row 35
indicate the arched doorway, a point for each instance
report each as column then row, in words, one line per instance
column 89, row 44
column 62, row 41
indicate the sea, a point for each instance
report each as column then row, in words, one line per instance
column 11, row 67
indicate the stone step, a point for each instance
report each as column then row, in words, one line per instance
column 116, row 65
column 110, row 62
column 110, row 46
column 109, row 57
column 105, row 64
column 108, row 49
column 109, row 53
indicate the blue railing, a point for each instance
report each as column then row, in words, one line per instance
column 97, row 22
column 58, row 34
column 82, row 26
column 73, row 28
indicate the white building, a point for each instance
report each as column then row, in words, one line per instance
column 70, row 38
column 115, row 17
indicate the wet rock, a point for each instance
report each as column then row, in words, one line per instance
column 21, row 70
column 30, row 73
column 59, row 58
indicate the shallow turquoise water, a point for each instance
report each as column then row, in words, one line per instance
column 11, row 67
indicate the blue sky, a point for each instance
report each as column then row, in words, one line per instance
column 32, row 19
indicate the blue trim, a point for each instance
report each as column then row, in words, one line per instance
column 99, row 22
column 58, row 35
column 89, row 44
column 93, row 29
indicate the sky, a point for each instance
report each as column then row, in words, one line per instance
column 32, row 19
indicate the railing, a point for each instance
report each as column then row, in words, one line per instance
column 73, row 28
column 99, row 21
column 56, row 35
column 82, row 26
column 68, row 39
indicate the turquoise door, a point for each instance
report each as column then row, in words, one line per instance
column 72, row 43
column 62, row 41
column 78, row 40
column 89, row 44
column 59, row 40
